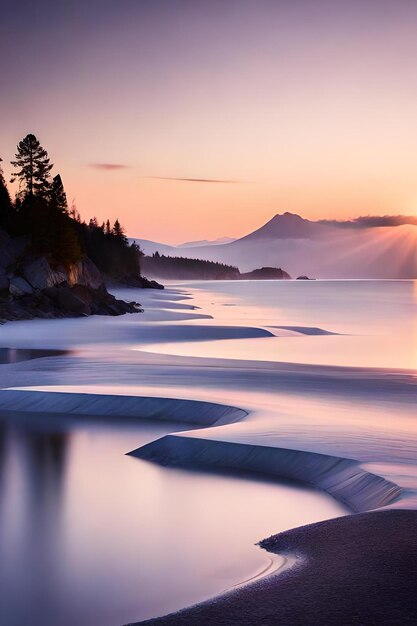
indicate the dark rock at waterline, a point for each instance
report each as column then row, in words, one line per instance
column 64, row 300
column 67, row 300
column 266, row 273
column 150, row 284
column 304, row 278
column 140, row 283
column 83, row 300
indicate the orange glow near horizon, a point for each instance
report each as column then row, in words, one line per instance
column 173, row 211
column 309, row 107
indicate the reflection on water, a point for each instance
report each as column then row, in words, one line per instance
column 376, row 322
column 15, row 355
column 91, row 536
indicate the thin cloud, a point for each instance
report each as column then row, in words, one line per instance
column 195, row 180
column 109, row 166
column 373, row 221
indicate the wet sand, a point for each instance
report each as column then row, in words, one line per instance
column 357, row 570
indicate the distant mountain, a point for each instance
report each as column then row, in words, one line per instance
column 361, row 248
column 287, row 226
column 367, row 247
column 150, row 247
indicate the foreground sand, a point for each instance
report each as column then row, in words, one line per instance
column 356, row 570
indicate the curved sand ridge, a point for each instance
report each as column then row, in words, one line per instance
column 166, row 409
column 368, row 553
column 342, row 478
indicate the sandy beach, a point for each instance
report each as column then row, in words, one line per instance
column 359, row 569
column 328, row 427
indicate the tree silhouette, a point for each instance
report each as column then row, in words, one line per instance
column 32, row 163
column 118, row 230
column 58, row 197
column 58, row 238
column 182, row 268
column 56, row 231
column 6, row 208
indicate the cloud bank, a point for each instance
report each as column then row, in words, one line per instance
column 373, row 221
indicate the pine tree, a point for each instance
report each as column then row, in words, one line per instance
column 58, row 197
column 74, row 213
column 118, row 230
column 32, row 163
column 6, row 208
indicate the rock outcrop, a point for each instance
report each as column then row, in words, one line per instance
column 85, row 273
column 40, row 275
column 30, row 287
column 139, row 283
column 64, row 301
column 18, row 286
column 266, row 273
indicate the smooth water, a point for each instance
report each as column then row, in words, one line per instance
column 92, row 537
column 369, row 323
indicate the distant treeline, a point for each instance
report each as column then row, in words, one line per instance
column 40, row 210
column 180, row 268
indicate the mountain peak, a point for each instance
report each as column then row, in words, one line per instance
column 285, row 226
column 288, row 216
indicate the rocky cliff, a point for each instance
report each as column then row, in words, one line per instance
column 30, row 287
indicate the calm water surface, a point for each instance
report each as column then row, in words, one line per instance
column 374, row 322
column 92, row 537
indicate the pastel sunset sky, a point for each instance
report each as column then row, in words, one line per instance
column 191, row 119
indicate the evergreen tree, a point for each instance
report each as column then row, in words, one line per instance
column 58, row 197
column 118, row 231
column 6, row 208
column 33, row 167
column 56, row 231
column 59, row 239
column 74, row 213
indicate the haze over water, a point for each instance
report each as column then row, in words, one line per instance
column 369, row 323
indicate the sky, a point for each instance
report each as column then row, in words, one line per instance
column 192, row 119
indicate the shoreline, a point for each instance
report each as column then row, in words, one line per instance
column 229, row 429
column 359, row 570
column 342, row 478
